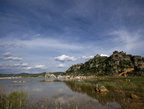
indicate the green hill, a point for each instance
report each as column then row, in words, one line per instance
column 113, row 65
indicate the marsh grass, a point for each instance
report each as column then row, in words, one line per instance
column 14, row 100
column 120, row 90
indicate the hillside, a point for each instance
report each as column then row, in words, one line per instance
column 115, row 64
column 22, row 74
column 30, row 75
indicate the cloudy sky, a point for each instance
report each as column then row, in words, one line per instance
column 52, row 35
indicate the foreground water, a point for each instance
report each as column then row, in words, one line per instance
column 65, row 95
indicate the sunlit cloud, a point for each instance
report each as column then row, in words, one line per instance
column 128, row 41
column 61, row 65
column 35, row 67
column 104, row 55
column 21, row 64
column 64, row 58
column 7, row 54
column 86, row 57
column 13, row 58
column 48, row 43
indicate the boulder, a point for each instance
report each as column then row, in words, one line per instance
column 133, row 96
column 102, row 89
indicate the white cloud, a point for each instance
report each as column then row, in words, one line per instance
column 28, row 68
column 7, row 45
column 7, row 54
column 86, row 57
column 39, row 66
column 21, row 64
column 64, row 58
column 49, row 43
column 90, row 57
column 61, row 65
column 13, row 65
column 104, row 55
column 13, row 58
column 127, row 41
column 37, row 43
column 35, row 67
column 24, row 64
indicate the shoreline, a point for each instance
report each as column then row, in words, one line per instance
column 16, row 77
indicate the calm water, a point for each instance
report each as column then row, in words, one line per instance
column 56, row 92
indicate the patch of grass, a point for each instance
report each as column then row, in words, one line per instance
column 14, row 100
column 130, row 83
column 120, row 89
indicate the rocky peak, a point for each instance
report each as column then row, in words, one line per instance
column 113, row 65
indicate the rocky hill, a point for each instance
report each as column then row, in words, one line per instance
column 115, row 64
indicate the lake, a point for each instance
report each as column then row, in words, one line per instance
column 61, row 95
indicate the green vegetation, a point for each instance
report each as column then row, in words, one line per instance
column 27, row 75
column 121, row 90
column 115, row 64
column 22, row 74
column 57, row 73
column 15, row 100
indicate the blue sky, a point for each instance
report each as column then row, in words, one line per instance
column 52, row 35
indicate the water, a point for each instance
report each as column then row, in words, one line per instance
column 52, row 94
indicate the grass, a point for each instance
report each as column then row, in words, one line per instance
column 14, row 100
column 130, row 83
column 120, row 90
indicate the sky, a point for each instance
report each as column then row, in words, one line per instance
column 51, row 35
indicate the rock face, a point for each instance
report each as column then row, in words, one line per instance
column 113, row 65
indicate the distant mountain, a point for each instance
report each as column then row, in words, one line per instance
column 22, row 74
column 115, row 64
column 30, row 75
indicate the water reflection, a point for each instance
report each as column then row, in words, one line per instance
column 114, row 98
column 69, row 95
